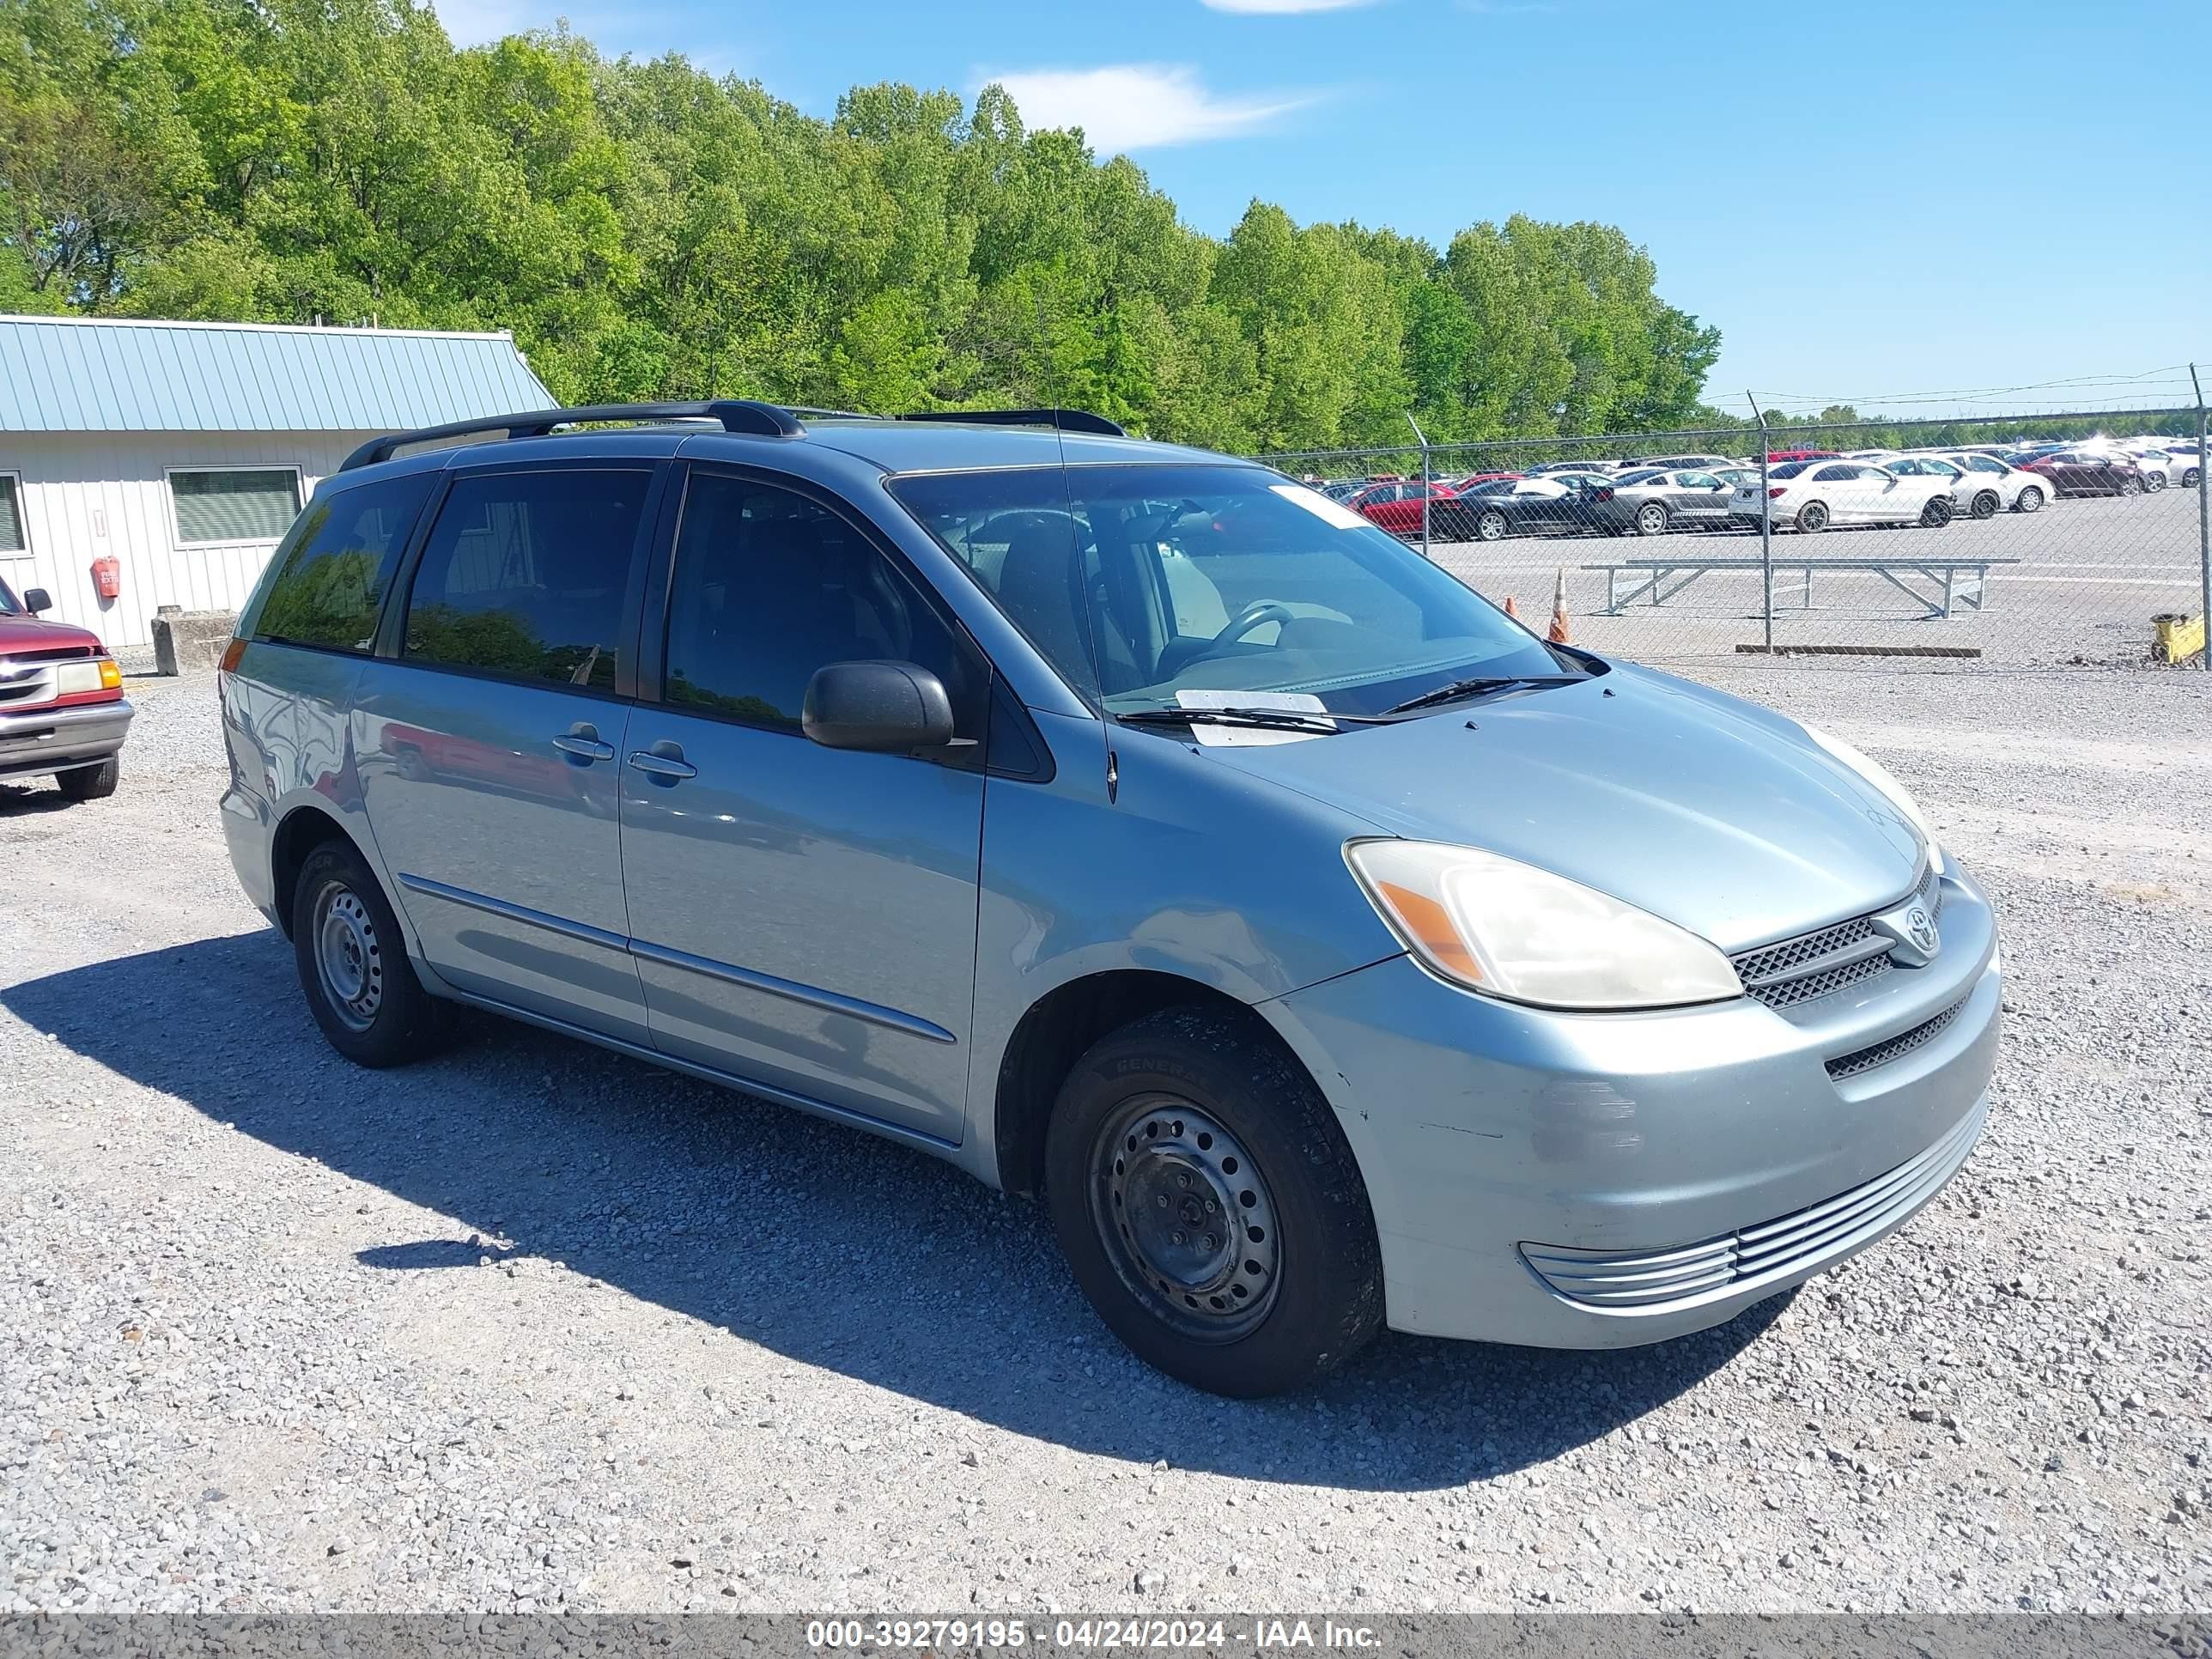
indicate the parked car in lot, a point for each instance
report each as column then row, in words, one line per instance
column 2014, row 490
column 1652, row 503
column 2165, row 464
column 2185, row 465
column 1109, row 818
column 1801, row 454
column 1560, row 504
column 63, row 713
column 1811, row 495
column 2086, row 472
column 1677, row 463
column 1397, row 507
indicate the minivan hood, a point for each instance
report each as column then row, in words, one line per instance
column 19, row 633
column 1716, row 814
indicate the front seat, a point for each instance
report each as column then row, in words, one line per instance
column 1042, row 586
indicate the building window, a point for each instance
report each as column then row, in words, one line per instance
column 12, row 538
column 235, row 503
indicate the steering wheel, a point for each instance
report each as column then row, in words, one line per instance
column 1251, row 617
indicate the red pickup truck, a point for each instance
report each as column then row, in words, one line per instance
column 62, row 712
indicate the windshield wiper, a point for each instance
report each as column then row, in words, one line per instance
column 1453, row 690
column 1278, row 720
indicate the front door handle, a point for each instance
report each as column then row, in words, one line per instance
column 582, row 740
column 663, row 762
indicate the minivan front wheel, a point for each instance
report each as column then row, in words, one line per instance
column 353, row 965
column 1209, row 1206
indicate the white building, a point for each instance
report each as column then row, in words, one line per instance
column 182, row 450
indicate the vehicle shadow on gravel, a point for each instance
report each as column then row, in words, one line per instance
column 818, row 1241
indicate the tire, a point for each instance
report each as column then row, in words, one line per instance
column 91, row 782
column 2191, row 478
column 1651, row 519
column 1491, row 526
column 1812, row 518
column 2130, row 487
column 1985, row 504
column 2029, row 500
column 1938, row 513
column 366, row 997
column 1190, row 1109
column 2153, row 483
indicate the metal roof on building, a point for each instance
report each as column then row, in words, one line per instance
column 86, row 374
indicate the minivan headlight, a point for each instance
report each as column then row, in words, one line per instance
column 1891, row 790
column 1511, row 930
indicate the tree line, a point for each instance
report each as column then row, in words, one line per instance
column 648, row 230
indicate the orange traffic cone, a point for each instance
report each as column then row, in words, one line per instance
column 1558, row 634
column 1510, row 609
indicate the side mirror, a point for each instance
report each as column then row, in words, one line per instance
column 36, row 599
column 885, row 707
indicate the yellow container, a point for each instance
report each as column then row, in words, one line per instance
column 2180, row 638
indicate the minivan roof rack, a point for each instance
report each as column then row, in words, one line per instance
column 1064, row 420
column 736, row 415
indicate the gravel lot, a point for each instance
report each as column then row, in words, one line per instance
column 534, row 1326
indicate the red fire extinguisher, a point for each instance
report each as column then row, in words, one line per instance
column 108, row 576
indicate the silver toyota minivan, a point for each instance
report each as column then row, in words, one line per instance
column 1130, row 825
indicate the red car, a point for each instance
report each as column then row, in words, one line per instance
column 1803, row 454
column 2087, row 472
column 62, row 712
column 1396, row 507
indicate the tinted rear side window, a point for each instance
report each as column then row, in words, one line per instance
column 337, row 566
column 525, row 575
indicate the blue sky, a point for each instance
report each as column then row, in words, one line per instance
column 1874, row 200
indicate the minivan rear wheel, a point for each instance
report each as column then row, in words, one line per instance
column 1210, row 1207
column 353, row 965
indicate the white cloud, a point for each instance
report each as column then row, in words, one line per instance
column 1283, row 8
column 1124, row 106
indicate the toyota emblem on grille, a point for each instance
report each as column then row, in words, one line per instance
column 1912, row 927
column 1920, row 926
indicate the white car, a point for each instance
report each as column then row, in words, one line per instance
column 1983, row 485
column 1811, row 496
column 2164, row 461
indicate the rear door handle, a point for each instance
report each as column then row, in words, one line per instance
column 663, row 762
column 582, row 740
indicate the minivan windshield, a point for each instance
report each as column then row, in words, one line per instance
column 1139, row 583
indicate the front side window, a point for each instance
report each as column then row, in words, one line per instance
column 525, row 575
column 769, row 586
column 1141, row 582
column 234, row 504
column 335, row 568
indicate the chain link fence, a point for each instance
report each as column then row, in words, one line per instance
column 2082, row 538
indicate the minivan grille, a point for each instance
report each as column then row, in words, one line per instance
column 1797, row 970
column 1896, row 1047
column 1790, row 1246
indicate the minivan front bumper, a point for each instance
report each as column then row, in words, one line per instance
column 1598, row 1181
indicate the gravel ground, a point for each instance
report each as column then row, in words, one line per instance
column 534, row 1326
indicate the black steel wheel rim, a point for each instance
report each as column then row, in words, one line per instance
column 1186, row 1217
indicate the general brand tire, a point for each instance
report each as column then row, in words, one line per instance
column 2029, row 500
column 1985, row 504
column 353, row 963
column 1190, row 1120
column 1938, row 513
column 91, row 782
column 1651, row 519
column 1491, row 526
column 1813, row 518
